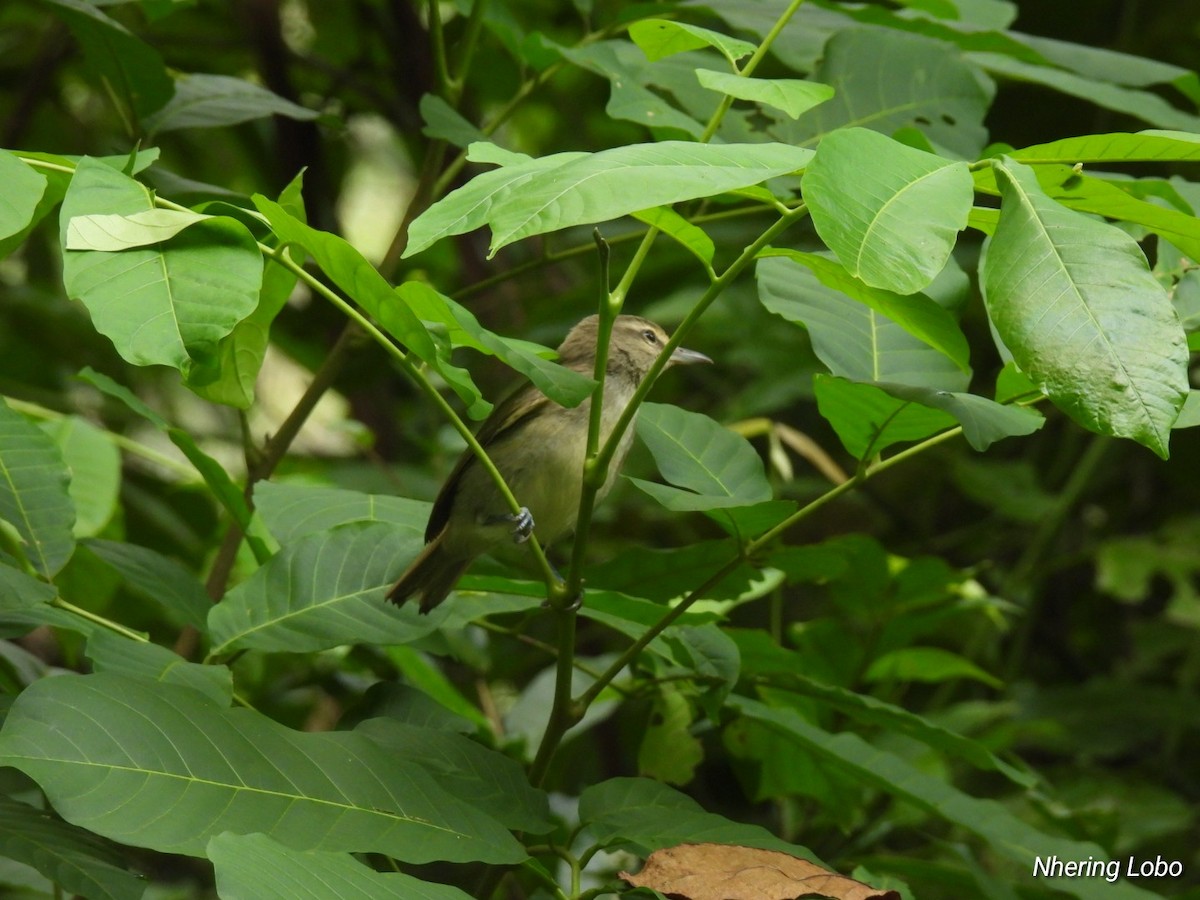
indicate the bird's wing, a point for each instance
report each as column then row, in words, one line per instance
column 517, row 408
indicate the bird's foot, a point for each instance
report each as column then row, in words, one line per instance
column 522, row 524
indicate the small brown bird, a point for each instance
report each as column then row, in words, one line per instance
column 539, row 447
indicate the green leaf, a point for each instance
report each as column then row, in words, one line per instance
column 659, row 38
column 129, row 68
column 254, row 865
column 110, row 652
column 989, row 820
column 668, row 751
column 915, row 313
column 324, row 590
column 34, row 497
column 624, row 180
column 444, row 122
column 1111, row 199
column 709, row 465
column 468, row 207
column 157, row 578
column 170, row 769
column 927, row 664
column 25, row 604
column 23, row 190
column 292, row 511
column 891, row 213
column 888, row 80
column 486, row 779
column 868, row 420
column 1144, row 105
column 230, row 374
column 1075, row 303
column 691, row 237
column 641, row 816
column 638, row 86
column 204, row 100
column 94, row 464
column 361, row 281
column 792, row 95
column 167, row 305
column 560, row 384
column 852, row 336
column 983, row 421
column 76, row 860
column 113, row 233
column 1142, row 146
column 228, row 494
column 521, row 201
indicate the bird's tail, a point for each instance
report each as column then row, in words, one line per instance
column 431, row 576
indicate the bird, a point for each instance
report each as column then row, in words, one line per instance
column 539, row 447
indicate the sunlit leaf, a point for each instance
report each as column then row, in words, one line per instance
column 891, row 213
column 1075, row 303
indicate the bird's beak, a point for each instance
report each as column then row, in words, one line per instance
column 685, row 357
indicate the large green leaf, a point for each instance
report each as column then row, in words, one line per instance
column 228, row 494
column 891, row 213
column 26, row 603
column 76, row 860
column 868, row 420
column 1111, row 199
column 1142, row 146
column 95, row 466
column 623, row 180
column 111, row 652
column 157, row 578
column 169, row 304
column 855, row 338
column 230, row 374
column 468, row 207
column 491, row 782
column 323, row 590
column 888, row 80
column 613, row 183
column 129, row 68
column 34, row 497
column 1147, row 106
column 1003, row 832
column 23, row 190
column 255, row 867
column 709, row 465
column 638, row 86
column 915, row 313
column 164, row 767
column 1075, row 303
column 204, row 100
column 291, row 511
column 361, row 281
column 983, row 421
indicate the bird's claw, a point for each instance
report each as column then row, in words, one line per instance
column 522, row 525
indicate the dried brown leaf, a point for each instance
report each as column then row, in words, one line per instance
column 726, row 872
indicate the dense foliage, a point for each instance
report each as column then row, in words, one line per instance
column 904, row 585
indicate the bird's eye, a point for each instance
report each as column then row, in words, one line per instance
column 650, row 336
